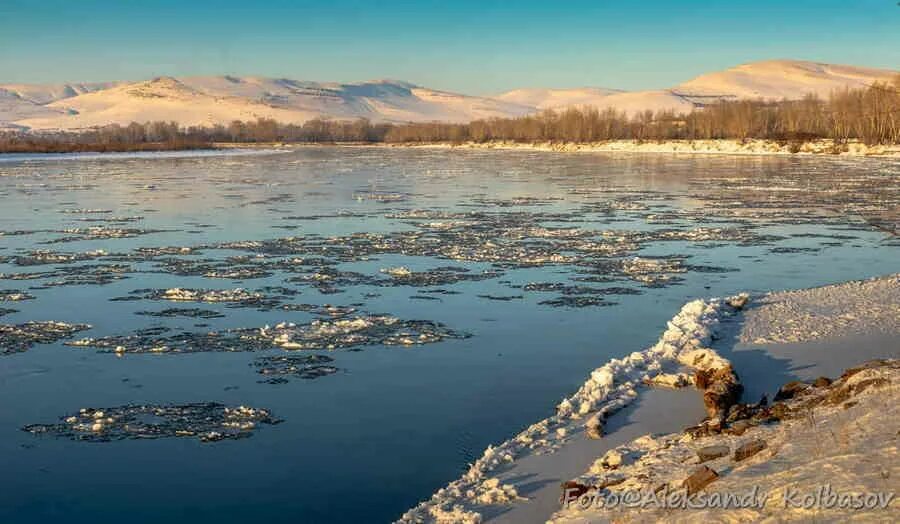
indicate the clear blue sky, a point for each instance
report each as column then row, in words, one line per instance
column 480, row 46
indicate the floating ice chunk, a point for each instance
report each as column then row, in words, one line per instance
column 209, row 422
column 400, row 271
column 19, row 338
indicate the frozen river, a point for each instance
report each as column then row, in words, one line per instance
column 382, row 314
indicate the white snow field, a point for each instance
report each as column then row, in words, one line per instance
column 222, row 99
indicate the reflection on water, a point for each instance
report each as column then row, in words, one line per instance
column 437, row 297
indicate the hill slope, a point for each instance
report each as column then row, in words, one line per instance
column 771, row 79
column 221, row 99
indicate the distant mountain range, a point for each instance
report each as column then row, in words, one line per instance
column 222, row 99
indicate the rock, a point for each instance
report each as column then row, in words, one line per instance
column 719, row 398
column 863, row 385
column 739, row 427
column 704, row 429
column 748, row 449
column 611, row 481
column 695, row 432
column 822, row 382
column 572, row 489
column 790, row 390
column 740, row 412
column 702, row 378
column 611, row 460
column 707, row 453
column 841, row 394
column 722, row 389
column 594, row 427
column 779, row 411
column 699, row 479
column 739, row 301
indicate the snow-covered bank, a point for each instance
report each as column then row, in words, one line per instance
column 833, row 440
column 519, row 480
column 807, row 333
column 610, row 388
column 826, row 452
column 806, row 315
column 718, row 147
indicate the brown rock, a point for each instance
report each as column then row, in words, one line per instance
column 696, row 432
column 707, row 453
column 748, row 449
column 720, row 396
column 701, row 378
column 863, row 385
column 779, row 411
column 739, row 427
column 790, row 390
column 611, row 481
column 822, row 382
column 572, row 489
column 741, row 412
column 704, row 429
column 841, row 394
column 699, row 479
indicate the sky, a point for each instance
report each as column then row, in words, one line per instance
column 476, row 47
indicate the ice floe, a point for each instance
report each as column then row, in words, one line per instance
column 329, row 333
column 207, row 422
column 21, row 337
column 278, row 369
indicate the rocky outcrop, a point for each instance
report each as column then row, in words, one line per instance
column 747, row 434
column 699, row 479
column 748, row 449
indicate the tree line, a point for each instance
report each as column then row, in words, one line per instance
column 869, row 114
column 150, row 136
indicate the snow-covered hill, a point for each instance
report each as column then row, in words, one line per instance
column 771, row 79
column 550, row 98
column 222, row 99
column 781, row 79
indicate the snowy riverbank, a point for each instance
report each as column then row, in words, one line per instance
column 593, row 443
column 591, row 413
column 823, row 452
column 721, row 147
